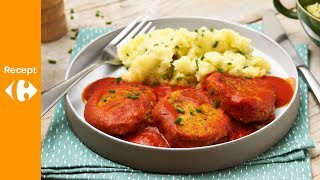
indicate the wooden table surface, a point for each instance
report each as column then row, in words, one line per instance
column 121, row 12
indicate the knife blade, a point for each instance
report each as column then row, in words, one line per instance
column 273, row 29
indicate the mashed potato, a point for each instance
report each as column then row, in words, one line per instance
column 181, row 57
column 314, row 9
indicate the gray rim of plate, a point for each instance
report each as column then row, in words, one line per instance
column 194, row 148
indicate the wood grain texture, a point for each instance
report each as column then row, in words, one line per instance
column 120, row 12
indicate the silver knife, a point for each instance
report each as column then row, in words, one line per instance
column 273, row 29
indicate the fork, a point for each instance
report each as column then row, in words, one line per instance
column 108, row 56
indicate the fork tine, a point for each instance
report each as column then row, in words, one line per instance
column 152, row 29
column 145, row 28
column 125, row 31
column 132, row 33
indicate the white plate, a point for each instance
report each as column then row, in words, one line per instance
column 182, row 160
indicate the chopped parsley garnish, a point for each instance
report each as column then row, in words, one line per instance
column 71, row 17
column 156, row 44
column 178, row 120
column 166, row 46
column 75, row 30
column 108, row 22
column 216, row 103
column 248, row 77
column 52, row 61
column 215, row 44
column 73, row 37
column 127, row 54
column 191, row 112
column 212, row 91
column 199, row 110
column 177, row 47
column 129, row 95
column 196, row 30
column 229, row 63
column 171, row 39
column 211, row 29
column 71, row 11
column 112, row 91
column 220, row 70
column 119, row 79
column 180, row 110
column 70, row 51
column 104, row 99
column 202, row 57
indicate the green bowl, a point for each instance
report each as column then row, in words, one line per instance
column 310, row 23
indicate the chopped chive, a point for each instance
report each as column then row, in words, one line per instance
column 156, row 44
column 177, row 47
column 134, row 97
column 112, row 91
column 137, row 94
column 202, row 57
column 216, row 103
column 104, row 98
column 248, row 77
column 52, row 61
column 191, row 112
column 108, row 22
column 178, row 120
column 245, row 66
column 179, row 78
column 197, row 64
column 97, row 13
column 164, row 76
column 171, row 39
column 73, row 38
column 212, row 91
column 215, row 44
column 199, row 110
column 166, row 46
column 203, row 30
column 211, row 29
column 71, row 17
column 71, row 11
column 196, row 30
column 127, row 54
column 220, row 70
column 70, row 51
column 119, row 79
column 129, row 95
column 180, row 110
column 75, row 30
column 229, row 63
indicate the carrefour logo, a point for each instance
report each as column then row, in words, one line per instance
column 21, row 90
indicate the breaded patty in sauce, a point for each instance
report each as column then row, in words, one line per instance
column 149, row 136
column 120, row 109
column 188, row 118
column 246, row 100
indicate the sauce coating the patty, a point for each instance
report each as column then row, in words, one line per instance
column 188, row 118
column 149, row 136
column 120, row 109
column 162, row 90
column 246, row 100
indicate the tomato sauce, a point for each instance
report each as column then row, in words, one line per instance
column 282, row 88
